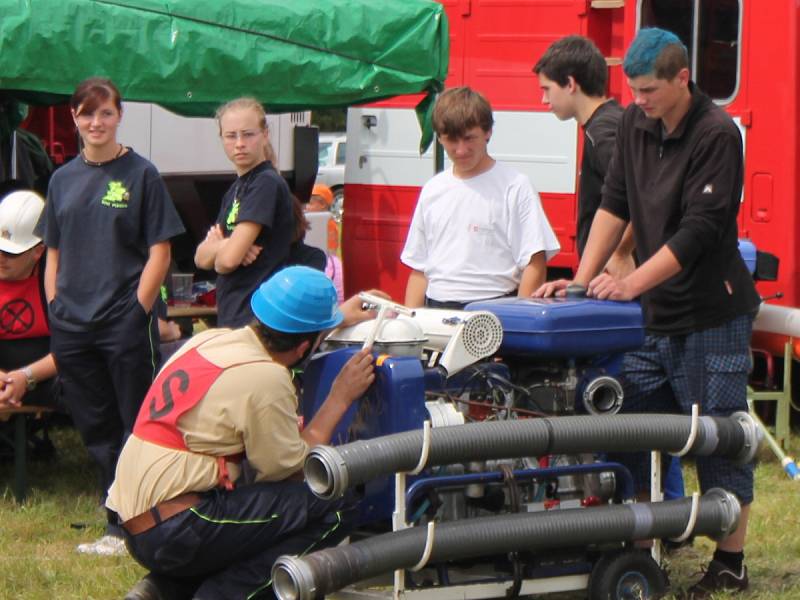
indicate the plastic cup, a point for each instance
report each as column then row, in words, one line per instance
column 182, row 289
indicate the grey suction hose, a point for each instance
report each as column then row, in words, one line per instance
column 325, row 571
column 329, row 470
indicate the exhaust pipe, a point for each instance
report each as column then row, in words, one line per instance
column 326, row 571
column 329, row 470
column 603, row 396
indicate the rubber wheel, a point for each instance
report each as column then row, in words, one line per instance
column 629, row 575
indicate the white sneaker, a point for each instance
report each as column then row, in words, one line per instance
column 108, row 545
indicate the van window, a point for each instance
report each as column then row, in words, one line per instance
column 341, row 153
column 712, row 34
column 324, row 152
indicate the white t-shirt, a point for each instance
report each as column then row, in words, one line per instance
column 473, row 237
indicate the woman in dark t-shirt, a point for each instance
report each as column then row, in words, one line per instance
column 255, row 226
column 106, row 225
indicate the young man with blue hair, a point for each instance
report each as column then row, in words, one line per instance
column 676, row 176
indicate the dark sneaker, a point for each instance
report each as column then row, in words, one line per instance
column 158, row 587
column 146, row 588
column 717, row 578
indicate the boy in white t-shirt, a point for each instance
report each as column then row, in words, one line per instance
column 479, row 230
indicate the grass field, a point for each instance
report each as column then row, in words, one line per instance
column 38, row 560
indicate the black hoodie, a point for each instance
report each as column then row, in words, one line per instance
column 684, row 190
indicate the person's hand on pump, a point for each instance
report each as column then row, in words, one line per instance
column 355, row 377
column 552, row 288
column 606, row 287
column 354, row 311
column 619, row 266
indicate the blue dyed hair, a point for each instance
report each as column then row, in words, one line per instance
column 655, row 51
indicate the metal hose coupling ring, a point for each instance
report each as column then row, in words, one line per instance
column 326, row 472
column 731, row 507
column 292, row 579
column 753, row 437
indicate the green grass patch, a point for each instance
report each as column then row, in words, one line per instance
column 38, row 538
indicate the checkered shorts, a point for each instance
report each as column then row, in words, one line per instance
column 670, row 373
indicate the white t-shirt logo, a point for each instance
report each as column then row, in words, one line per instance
column 708, row 189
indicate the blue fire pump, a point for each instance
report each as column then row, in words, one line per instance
column 495, row 418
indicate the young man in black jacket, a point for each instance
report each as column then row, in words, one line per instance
column 573, row 75
column 676, row 176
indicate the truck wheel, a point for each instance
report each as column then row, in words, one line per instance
column 629, row 575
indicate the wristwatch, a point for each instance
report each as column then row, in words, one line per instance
column 29, row 378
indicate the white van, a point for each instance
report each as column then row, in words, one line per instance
column 332, row 158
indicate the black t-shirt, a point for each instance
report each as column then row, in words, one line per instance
column 260, row 196
column 598, row 146
column 103, row 221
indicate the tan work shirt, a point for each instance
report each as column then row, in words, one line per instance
column 250, row 408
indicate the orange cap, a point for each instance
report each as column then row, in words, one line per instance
column 324, row 192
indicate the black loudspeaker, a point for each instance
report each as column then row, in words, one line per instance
column 306, row 161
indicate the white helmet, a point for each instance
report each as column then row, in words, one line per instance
column 19, row 214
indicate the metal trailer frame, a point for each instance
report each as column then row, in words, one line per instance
column 384, row 588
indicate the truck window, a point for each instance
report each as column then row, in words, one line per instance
column 712, row 34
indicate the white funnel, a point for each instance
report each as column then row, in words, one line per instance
column 463, row 337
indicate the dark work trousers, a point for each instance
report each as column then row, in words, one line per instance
column 105, row 374
column 228, row 542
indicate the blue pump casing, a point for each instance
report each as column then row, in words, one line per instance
column 565, row 327
column 394, row 403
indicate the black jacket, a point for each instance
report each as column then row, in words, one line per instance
column 684, row 190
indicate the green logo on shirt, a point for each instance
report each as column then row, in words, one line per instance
column 116, row 195
column 230, row 222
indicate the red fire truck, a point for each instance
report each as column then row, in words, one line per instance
column 744, row 53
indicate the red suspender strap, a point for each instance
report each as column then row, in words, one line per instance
column 176, row 390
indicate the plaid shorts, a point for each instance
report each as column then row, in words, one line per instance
column 670, row 373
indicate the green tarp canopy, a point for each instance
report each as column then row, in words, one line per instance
column 189, row 56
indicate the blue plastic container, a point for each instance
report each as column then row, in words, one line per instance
column 748, row 251
column 565, row 327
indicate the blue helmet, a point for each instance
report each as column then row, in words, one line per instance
column 297, row 300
